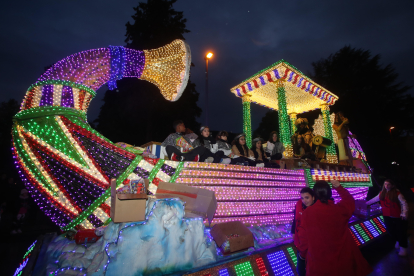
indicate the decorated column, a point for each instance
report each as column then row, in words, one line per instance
column 284, row 121
column 331, row 155
column 247, row 121
column 292, row 123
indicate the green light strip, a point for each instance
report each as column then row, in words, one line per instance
column 328, row 131
column 247, row 123
column 155, row 170
column 177, row 172
column 84, row 215
column 43, row 111
column 292, row 255
column 66, row 83
column 362, row 232
column 375, row 226
column 284, row 121
column 244, row 269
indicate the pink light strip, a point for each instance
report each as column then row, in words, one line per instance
column 228, row 209
column 226, row 167
column 238, row 175
column 242, row 194
column 237, row 182
column 258, row 220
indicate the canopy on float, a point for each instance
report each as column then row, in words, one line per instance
column 302, row 94
column 284, row 88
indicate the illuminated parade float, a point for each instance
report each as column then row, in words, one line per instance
column 67, row 167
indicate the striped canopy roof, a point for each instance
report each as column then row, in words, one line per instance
column 302, row 94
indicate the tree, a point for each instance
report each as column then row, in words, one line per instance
column 366, row 90
column 137, row 113
column 370, row 96
column 268, row 124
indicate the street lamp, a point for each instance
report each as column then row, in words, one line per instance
column 207, row 57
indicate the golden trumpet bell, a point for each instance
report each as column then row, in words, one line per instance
column 168, row 67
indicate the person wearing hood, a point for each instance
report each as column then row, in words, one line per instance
column 212, row 153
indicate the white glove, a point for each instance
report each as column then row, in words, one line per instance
column 252, row 158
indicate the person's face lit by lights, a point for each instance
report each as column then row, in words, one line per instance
column 307, row 199
column 258, row 144
column 242, row 141
column 274, row 137
column 388, row 186
column 206, row 132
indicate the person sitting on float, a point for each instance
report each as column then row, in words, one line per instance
column 394, row 210
column 179, row 146
column 260, row 155
column 212, row 153
column 302, row 150
column 240, row 149
column 307, row 199
column 303, row 130
column 342, row 131
column 325, row 240
column 274, row 147
column 224, row 146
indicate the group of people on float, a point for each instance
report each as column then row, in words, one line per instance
column 321, row 233
column 184, row 145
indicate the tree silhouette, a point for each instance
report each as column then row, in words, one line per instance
column 370, row 96
column 368, row 92
column 136, row 112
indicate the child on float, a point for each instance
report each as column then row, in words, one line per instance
column 324, row 237
column 179, row 146
column 212, row 154
column 240, row 149
column 260, row 155
column 394, row 210
column 274, row 147
column 307, row 199
column 224, row 146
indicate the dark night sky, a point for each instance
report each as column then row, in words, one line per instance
column 245, row 36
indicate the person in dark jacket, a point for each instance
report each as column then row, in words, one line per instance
column 179, row 146
column 223, row 145
column 307, row 199
column 212, row 152
column 324, row 237
column 274, row 147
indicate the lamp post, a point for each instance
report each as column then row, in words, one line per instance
column 391, row 128
column 207, row 57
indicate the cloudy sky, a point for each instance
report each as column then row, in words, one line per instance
column 245, row 36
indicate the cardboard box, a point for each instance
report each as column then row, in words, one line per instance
column 199, row 202
column 221, row 232
column 127, row 207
